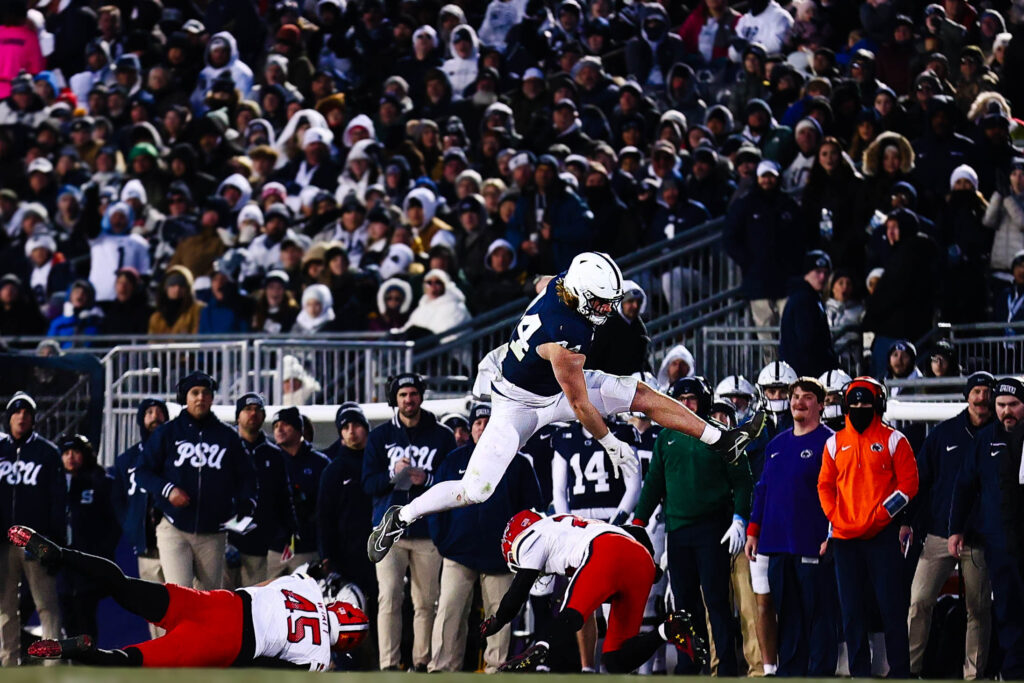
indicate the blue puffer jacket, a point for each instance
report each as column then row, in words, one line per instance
column 426, row 445
column 206, row 460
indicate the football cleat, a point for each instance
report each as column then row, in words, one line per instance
column 735, row 441
column 680, row 632
column 60, row 649
column 385, row 534
column 533, row 658
column 45, row 550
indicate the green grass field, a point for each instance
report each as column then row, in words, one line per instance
column 84, row 674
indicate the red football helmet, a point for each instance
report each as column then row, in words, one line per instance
column 349, row 626
column 519, row 522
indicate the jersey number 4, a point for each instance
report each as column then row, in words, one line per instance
column 294, row 602
column 593, row 471
column 527, row 326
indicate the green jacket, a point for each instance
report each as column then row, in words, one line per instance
column 694, row 482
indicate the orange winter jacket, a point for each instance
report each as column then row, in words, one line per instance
column 858, row 472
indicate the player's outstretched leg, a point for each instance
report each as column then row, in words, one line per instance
column 147, row 599
column 672, row 414
column 82, row 649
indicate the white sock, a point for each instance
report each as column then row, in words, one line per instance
column 710, row 435
column 661, row 631
column 438, row 498
column 770, row 669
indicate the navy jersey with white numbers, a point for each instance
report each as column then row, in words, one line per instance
column 547, row 319
column 645, row 448
column 591, row 480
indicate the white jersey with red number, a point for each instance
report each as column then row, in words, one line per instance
column 290, row 621
column 556, row 544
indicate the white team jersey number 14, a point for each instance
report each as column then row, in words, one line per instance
column 527, row 326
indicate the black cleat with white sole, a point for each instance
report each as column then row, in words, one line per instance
column 735, row 441
column 385, row 534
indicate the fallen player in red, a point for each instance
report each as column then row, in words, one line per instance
column 604, row 563
column 284, row 623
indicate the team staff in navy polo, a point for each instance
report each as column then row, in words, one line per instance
column 938, row 461
column 398, row 465
column 32, row 493
column 200, row 477
column 133, row 505
column 978, row 486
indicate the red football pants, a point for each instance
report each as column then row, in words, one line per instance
column 617, row 570
column 204, row 629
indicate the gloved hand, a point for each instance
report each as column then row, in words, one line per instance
column 736, row 535
column 489, row 626
column 621, row 454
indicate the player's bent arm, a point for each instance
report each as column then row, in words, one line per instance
column 513, row 601
column 568, row 369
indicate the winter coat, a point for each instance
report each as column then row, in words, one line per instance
column 676, row 352
column 303, row 470
column 442, row 313
column 805, row 341
column 770, row 28
column 19, row 50
column 92, row 524
column 206, row 460
column 1006, row 216
column 240, row 72
column 344, row 511
column 763, row 236
column 903, row 305
column 692, row 28
column 32, row 486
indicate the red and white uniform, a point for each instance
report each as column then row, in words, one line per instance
column 290, row 622
column 605, row 565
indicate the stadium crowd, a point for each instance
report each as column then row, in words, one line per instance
column 310, row 167
column 399, row 166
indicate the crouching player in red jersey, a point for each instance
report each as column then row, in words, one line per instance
column 604, row 563
column 282, row 623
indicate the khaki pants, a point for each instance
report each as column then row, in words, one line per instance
column 251, row 571
column 185, row 557
column 44, row 593
column 276, row 568
column 451, row 624
column 150, row 570
column 934, row 567
column 746, row 604
column 421, row 559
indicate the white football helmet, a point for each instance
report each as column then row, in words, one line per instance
column 738, row 385
column 835, row 381
column 595, row 280
column 776, row 374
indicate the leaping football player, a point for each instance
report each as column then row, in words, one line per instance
column 543, row 381
column 285, row 623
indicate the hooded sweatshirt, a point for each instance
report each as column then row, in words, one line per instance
column 111, row 251
column 678, row 351
column 443, row 312
column 241, row 74
column 462, row 72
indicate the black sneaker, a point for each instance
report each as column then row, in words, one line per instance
column 533, row 658
column 60, row 649
column 680, row 632
column 735, row 441
column 385, row 534
column 45, row 550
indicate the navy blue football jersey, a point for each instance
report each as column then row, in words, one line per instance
column 645, row 447
column 591, row 481
column 546, row 320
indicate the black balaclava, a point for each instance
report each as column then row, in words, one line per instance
column 861, row 417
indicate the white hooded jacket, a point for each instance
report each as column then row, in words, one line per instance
column 241, row 74
column 678, row 351
column 462, row 72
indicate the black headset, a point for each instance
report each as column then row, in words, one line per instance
column 696, row 385
column 880, row 395
column 405, row 379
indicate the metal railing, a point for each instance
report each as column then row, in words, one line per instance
column 736, row 350
column 996, row 347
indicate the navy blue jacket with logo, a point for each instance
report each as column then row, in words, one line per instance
column 304, row 470
column 344, row 514
column 426, row 445
column 275, row 511
column 938, row 461
column 205, row 459
column 91, row 523
column 977, row 484
column 472, row 535
column 32, row 486
column 132, row 503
